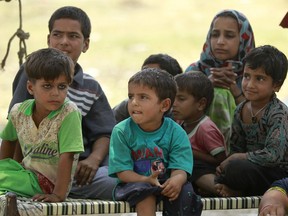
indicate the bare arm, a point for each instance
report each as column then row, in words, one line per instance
column 100, row 149
column 18, row 156
column 62, row 181
column 173, row 186
column 237, row 93
column 7, row 149
column 88, row 167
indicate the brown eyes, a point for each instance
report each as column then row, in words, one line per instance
column 228, row 35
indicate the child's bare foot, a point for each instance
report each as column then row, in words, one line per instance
column 225, row 191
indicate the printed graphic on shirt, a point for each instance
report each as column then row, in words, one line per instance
column 45, row 151
column 147, row 161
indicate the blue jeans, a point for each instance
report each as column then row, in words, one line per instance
column 101, row 187
column 187, row 204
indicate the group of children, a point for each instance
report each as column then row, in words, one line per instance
column 169, row 144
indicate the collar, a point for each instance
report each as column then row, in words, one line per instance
column 29, row 105
column 78, row 75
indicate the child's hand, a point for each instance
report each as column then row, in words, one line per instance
column 157, row 168
column 47, row 198
column 171, row 188
column 153, row 179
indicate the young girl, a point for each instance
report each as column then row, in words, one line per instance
column 229, row 39
column 259, row 142
column 43, row 127
column 150, row 154
column 194, row 96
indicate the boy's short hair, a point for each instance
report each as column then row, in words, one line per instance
column 272, row 60
column 197, row 84
column 159, row 80
column 74, row 13
column 165, row 62
column 49, row 64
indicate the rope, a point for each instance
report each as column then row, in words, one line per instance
column 22, row 37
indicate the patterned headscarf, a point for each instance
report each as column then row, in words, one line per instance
column 207, row 60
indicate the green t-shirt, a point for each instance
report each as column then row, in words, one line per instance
column 58, row 133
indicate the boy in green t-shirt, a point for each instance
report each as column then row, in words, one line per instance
column 42, row 126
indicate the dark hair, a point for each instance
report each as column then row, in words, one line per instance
column 159, row 80
column 272, row 60
column 74, row 13
column 165, row 62
column 49, row 63
column 197, row 84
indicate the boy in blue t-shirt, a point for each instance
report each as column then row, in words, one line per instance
column 162, row 61
column 151, row 154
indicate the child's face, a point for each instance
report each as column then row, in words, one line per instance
column 186, row 107
column 225, row 38
column 257, row 85
column 49, row 95
column 66, row 36
column 145, row 108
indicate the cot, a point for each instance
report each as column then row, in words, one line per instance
column 11, row 205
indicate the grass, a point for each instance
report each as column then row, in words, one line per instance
column 125, row 32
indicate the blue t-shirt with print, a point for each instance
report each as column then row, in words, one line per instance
column 166, row 148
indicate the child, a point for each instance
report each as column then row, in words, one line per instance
column 69, row 31
column 43, row 126
column 229, row 38
column 193, row 98
column 259, row 142
column 151, row 154
column 162, row 61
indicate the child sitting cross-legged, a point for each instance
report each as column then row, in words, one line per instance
column 259, row 142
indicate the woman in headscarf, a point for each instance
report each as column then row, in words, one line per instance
column 229, row 39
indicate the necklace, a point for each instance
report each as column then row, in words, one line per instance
column 254, row 117
column 193, row 122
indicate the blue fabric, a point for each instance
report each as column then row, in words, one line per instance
column 130, row 144
column 187, row 204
